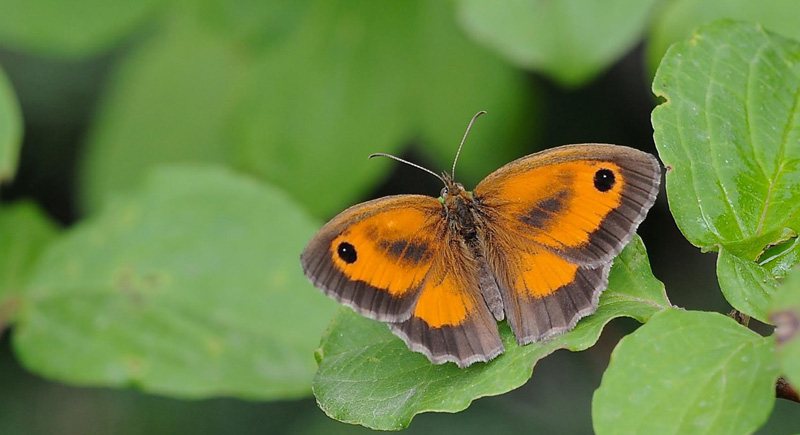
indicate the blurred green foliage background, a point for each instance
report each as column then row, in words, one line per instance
column 178, row 154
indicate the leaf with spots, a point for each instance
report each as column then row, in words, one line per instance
column 189, row 288
column 687, row 372
column 368, row 376
column 730, row 137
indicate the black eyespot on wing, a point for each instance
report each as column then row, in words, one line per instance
column 347, row 252
column 604, row 180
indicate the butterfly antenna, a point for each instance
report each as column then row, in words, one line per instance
column 409, row 163
column 469, row 127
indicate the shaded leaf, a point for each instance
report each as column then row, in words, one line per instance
column 170, row 101
column 369, row 377
column 255, row 23
column 24, row 231
column 365, row 77
column 730, row 137
column 780, row 258
column 689, row 373
column 678, row 18
column 570, row 40
column 190, row 288
column 73, row 28
column 10, row 129
column 746, row 285
column 303, row 104
column 785, row 314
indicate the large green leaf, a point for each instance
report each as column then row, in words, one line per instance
column 570, row 40
column 678, row 18
column 364, row 77
column 255, row 23
column 687, row 372
column 69, row 28
column 190, row 288
column 303, row 104
column 730, row 138
column 170, row 101
column 369, row 377
column 24, row 232
column 10, row 129
column 785, row 314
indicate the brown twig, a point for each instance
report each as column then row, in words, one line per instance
column 785, row 391
column 740, row 317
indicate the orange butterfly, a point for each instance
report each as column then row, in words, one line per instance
column 533, row 243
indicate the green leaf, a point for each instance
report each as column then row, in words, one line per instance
column 780, row 258
column 10, row 129
column 746, row 285
column 728, row 135
column 687, row 372
column 365, row 77
column 24, row 232
column 303, row 106
column 255, row 23
column 785, row 314
column 73, row 28
column 570, row 40
column 190, row 288
column 678, row 18
column 368, row 376
column 170, row 101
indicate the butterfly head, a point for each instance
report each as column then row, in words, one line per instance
column 454, row 195
column 452, row 189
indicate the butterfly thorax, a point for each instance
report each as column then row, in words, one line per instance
column 459, row 206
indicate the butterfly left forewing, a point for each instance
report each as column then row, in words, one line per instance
column 375, row 256
column 554, row 221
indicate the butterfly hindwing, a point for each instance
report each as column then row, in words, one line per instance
column 544, row 294
column 451, row 320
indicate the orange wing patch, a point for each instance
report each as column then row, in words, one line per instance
column 566, row 217
column 545, row 273
column 444, row 303
column 385, row 252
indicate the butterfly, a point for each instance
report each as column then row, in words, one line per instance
column 533, row 243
